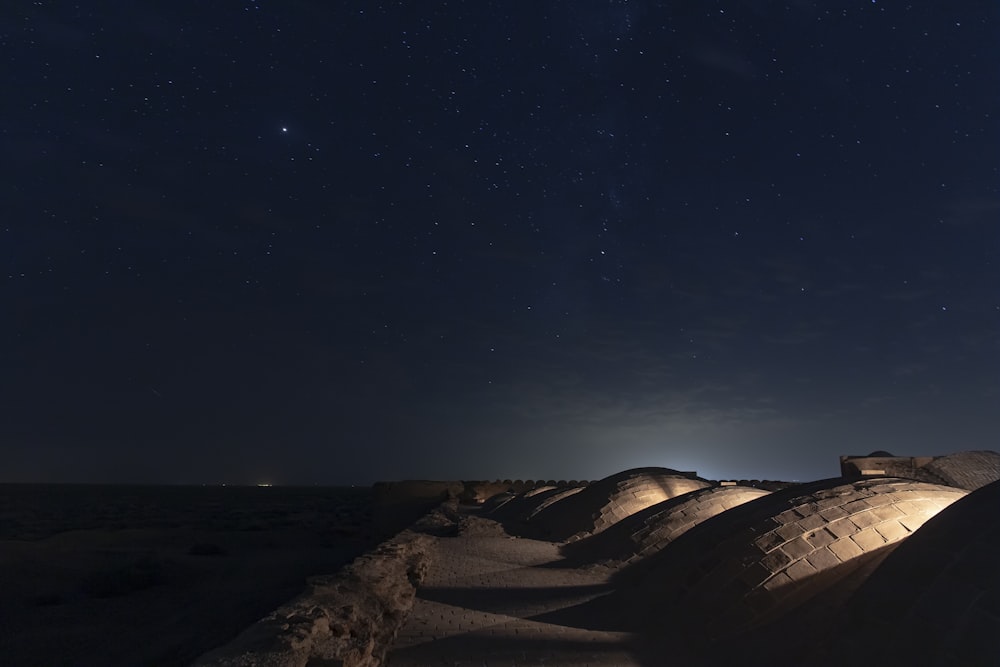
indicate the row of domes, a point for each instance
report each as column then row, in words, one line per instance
column 826, row 569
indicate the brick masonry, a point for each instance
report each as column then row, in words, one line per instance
column 608, row 501
column 936, row 599
column 750, row 566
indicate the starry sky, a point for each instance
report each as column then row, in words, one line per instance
column 335, row 242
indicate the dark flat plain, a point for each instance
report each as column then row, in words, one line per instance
column 157, row 575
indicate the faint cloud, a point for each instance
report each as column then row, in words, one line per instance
column 975, row 210
column 730, row 62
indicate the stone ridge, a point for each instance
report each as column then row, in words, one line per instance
column 348, row 619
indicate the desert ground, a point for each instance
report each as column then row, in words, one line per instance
column 146, row 575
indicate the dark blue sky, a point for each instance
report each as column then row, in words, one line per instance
column 312, row 242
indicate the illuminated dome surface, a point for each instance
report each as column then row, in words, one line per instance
column 552, row 499
column 942, row 586
column 746, row 566
column 608, row 501
column 653, row 528
column 493, row 503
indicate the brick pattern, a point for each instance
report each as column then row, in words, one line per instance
column 604, row 503
column 648, row 531
column 635, row 494
column 967, row 470
column 660, row 529
column 777, row 563
column 941, row 586
column 748, row 565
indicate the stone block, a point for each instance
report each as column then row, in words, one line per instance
column 887, row 512
column 776, row 560
column 812, row 522
column 868, row 539
column 789, row 531
column 823, row 559
column 820, row 538
column 845, row 549
column 864, row 519
column 800, row 569
column 907, row 507
column 778, row 581
column 842, row 528
column 892, row 530
column 788, row 516
column 769, row 541
column 825, row 504
column 807, row 509
column 833, row 513
column 855, row 506
column 797, row 548
column 913, row 521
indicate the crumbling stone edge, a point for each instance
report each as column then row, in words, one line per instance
column 348, row 619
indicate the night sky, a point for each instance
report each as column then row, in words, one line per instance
column 334, row 242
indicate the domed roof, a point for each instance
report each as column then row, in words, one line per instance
column 497, row 501
column 655, row 527
column 744, row 567
column 942, row 586
column 967, row 470
column 553, row 498
column 518, row 509
column 605, row 502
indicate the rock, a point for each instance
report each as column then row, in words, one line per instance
column 347, row 619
